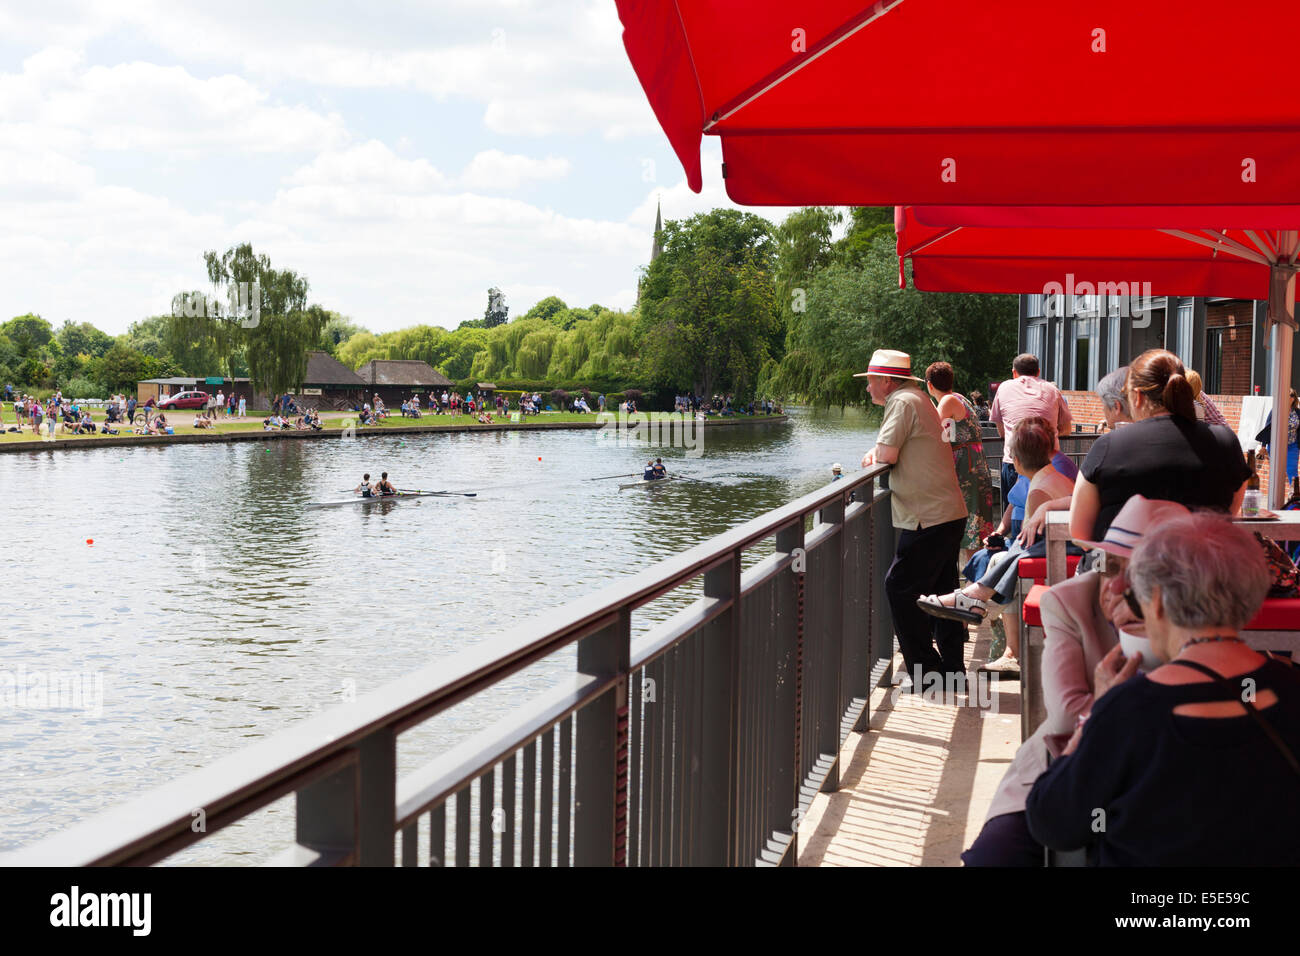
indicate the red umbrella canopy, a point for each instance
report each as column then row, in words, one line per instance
column 987, row 249
column 1111, row 102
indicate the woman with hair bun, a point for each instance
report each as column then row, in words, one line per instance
column 1167, row 454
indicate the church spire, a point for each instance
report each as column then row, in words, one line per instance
column 657, row 248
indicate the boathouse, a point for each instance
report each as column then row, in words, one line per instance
column 396, row 380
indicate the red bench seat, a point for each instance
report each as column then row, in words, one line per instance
column 1031, row 612
column 1036, row 568
column 1277, row 614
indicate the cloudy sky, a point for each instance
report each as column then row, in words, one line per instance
column 404, row 156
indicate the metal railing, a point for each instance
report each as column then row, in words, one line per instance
column 702, row 741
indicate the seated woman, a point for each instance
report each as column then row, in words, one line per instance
column 201, row 420
column 158, row 426
column 1194, row 763
column 1166, row 453
column 1031, row 448
column 1081, row 660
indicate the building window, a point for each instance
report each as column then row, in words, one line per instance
column 1112, row 343
column 1058, row 367
column 1086, row 349
column 1185, row 332
column 1033, row 306
column 1036, row 340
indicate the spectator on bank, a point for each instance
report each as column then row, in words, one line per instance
column 1165, row 454
column 1025, row 395
column 1206, row 410
column 962, row 432
column 1081, row 659
column 981, row 406
column 927, row 510
column 1194, row 763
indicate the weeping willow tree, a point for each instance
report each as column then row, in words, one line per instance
column 257, row 314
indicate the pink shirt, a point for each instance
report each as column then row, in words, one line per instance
column 1026, row 397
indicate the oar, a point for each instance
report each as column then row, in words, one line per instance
column 449, row 494
column 604, row 477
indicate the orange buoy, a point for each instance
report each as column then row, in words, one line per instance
column 90, row 541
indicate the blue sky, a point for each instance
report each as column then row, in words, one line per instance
column 403, row 156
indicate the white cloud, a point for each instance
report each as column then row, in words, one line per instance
column 493, row 169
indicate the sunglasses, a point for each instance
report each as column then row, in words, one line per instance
column 1131, row 600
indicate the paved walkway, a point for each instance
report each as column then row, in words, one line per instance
column 915, row 787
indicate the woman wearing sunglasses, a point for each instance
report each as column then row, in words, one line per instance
column 1081, row 660
column 1194, row 763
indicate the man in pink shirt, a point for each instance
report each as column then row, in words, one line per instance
column 1025, row 395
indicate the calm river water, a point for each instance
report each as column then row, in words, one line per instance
column 214, row 609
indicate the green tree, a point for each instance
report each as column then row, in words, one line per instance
column 338, row 329
column 854, row 310
column 29, row 333
column 547, row 308
column 83, row 339
column 708, row 306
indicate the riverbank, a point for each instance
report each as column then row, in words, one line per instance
column 253, row 431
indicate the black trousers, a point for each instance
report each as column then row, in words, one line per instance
column 925, row 562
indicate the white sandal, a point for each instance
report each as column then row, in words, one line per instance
column 968, row 609
column 1006, row 664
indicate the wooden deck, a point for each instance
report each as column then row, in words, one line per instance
column 915, row 787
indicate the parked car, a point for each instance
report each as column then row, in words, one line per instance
column 184, row 400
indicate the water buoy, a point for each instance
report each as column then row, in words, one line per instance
column 90, row 541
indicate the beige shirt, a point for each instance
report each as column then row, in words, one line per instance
column 923, row 483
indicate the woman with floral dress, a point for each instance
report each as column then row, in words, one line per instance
column 961, row 428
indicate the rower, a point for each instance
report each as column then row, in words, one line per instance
column 649, row 473
column 364, row 489
column 385, row 487
column 659, row 470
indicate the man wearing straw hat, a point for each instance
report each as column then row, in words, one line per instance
column 929, row 513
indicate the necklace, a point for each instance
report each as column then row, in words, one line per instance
column 1212, row 638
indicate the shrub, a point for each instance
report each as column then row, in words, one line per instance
column 84, row 388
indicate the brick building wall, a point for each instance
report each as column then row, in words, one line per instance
column 1086, row 409
column 1235, row 321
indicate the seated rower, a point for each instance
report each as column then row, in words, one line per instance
column 385, row 487
column 649, row 473
column 659, row 470
column 364, row 489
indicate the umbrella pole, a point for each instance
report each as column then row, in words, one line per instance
column 1281, row 314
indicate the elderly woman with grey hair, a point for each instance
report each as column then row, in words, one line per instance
column 1194, row 763
column 1113, row 392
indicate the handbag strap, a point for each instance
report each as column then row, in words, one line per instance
column 1251, row 709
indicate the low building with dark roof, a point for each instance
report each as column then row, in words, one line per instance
column 396, row 380
column 328, row 383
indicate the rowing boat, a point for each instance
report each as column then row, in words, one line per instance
column 647, row 482
column 375, row 499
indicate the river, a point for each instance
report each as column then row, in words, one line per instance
column 204, row 607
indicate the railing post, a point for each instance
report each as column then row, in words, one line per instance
column 716, row 839
column 353, row 811
column 601, row 759
column 882, row 618
column 832, row 703
column 783, row 782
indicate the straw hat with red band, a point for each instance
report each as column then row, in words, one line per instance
column 1138, row 516
column 891, row 364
